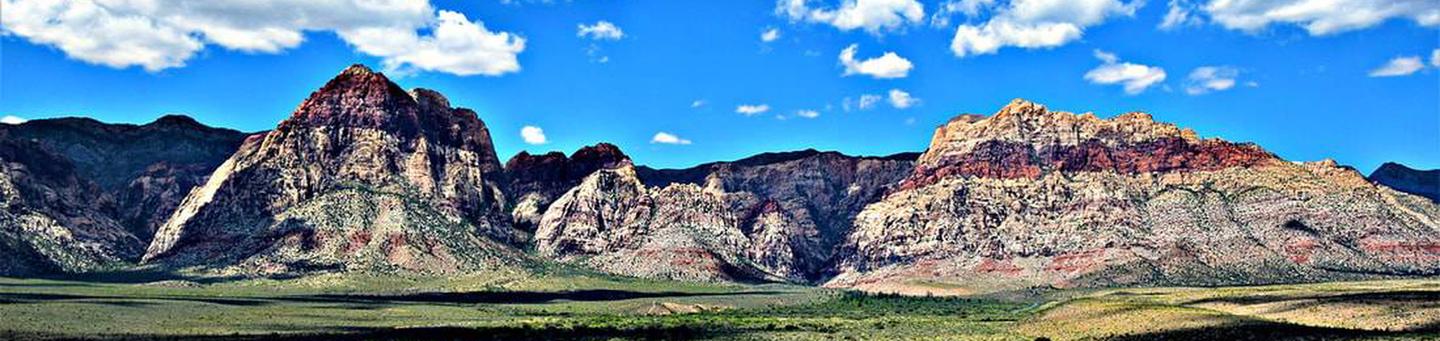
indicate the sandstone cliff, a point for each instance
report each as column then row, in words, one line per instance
column 1030, row 197
column 770, row 217
column 363, row 176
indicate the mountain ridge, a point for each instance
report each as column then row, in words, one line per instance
column 365, row 176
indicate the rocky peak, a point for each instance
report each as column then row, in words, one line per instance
column 537, row 180
column 1025, row 140
column 358, row 143
column 1425, row 183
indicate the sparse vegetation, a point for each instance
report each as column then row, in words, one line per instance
column 579, row 306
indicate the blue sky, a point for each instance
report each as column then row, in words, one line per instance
column 1359, row 84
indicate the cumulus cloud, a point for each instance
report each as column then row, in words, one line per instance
column 770, row 35
column 886, row 66
column 1134, row 77
column 874, row 16
column 533, row 135
column 807, row 113
column 1036, row 24
column 600, row 30
column 456, row 45
column 901, row 99
column 162, row 34
column 752, row 109
column 1319, row 17
column 1435, row 58
column 12, row 120
column 668, row 138
column 1400, row 66
column 1206, row 79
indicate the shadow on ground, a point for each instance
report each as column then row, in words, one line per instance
column 1266, row 331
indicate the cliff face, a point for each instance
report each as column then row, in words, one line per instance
column 535, row 181
column 769, row 217
column 51, row 219
column 1034, row 198
column 1425, row 183
column 143, row 169
column 362, row 176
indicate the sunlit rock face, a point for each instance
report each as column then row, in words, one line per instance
column 1030, row 197
column 363, row 176
column 535, row 181
column 772, row 217
column 87, row 196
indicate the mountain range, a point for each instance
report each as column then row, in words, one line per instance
column 367, row 177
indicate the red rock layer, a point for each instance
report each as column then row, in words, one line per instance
column 1010, row 160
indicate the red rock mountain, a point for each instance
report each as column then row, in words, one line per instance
column 1030, row 197
column 773, row 217
column 363, row 176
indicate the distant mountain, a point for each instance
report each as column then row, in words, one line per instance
column 146, row 168
column 772, row 217
column 1030, row 197
column 85, row 195
column 364, row 176
column 1425, row 183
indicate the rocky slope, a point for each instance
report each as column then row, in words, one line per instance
column 535, row 181
column 145, row 169
column 51, row 220
column 770, row 217
column 1425, row 183
column 363, row 176
column 1030, row 197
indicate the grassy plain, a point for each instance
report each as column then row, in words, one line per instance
column 571, row 306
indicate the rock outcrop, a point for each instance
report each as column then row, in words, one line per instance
column 80, row 195
column 1425, row 183
column 1030, row 197
column 145, row 169
column 770, row 217
column 363, row 176
column 535, row 181
column 51, row 220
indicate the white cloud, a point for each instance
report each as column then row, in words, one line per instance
column 600, row 30
column 901, row 99
column 1319, row 17
column 1179, row 15
column 533, row 135
column 1435, row 58
column 697, row 103
column 752, row 110
column 668, row 138
column 770, row 35
column 1135, row 77
column 1206, row 79
column 874, row 16
column 161, row 34
column 456, row 45
column 12, row 120
column 1036, row 24
column 807, row 113
column 886, row 66
column 1400, row 66
column 868, row 101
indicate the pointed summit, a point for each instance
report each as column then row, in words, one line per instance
column 363, row 176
